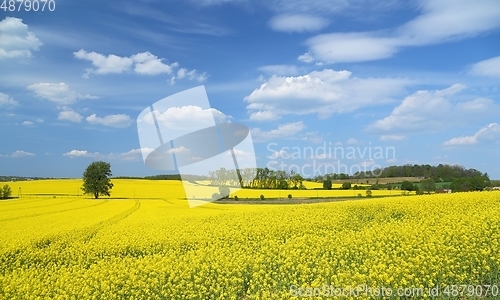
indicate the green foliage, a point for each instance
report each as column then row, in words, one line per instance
column 236, row 198
column 368, row 193
column 359, row 195
column 427, row 186
column 346, row 185
column 407, row 186
column 476, row 183
column 289, row 196
column 260, row 178
column 262, row 197
column 6, row 192
column 418, row 190
column 327, row 184
column 96, row 179
column 283, row 185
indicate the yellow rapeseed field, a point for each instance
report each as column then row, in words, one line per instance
column 308, row 193
column 144, row 242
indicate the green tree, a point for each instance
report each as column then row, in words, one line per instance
column 460, row 185
column 418, row 190
column 346, row 185
column 427, row 186
column 477, row 183
column 6, row 192
column 368, row 193
column 96, row 179
column 407, row 186
column 327, row 184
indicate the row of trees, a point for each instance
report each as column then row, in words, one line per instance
column 331, row 176
column 476, row 183
column 327, row 184
column 440, row 173
column 259, row 178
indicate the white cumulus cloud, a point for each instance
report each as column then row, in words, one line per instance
column 322, row 92
column 70, row 115
column 490, row 133
column 15, row 39
column 104, row 64
column 149, row 64
column 20, row 153
column 59, row 93
column 188, row 116
column 283, row 131
column 117, row 121
column 427, row 110
column 191, row 75
column 179, row 150
column 144, row 63
column 264, row 116
column 132, row 155
column 81, row 153
column 306, row 57
column 6, row 100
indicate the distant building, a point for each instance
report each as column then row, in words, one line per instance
column 496, row 188
column 443, row 191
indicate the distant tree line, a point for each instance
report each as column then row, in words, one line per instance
column 21, row 178
column 331, row 176
column 259, row 178
column 166, row 177
column 440, row 173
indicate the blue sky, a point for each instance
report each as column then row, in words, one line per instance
column 420, row 78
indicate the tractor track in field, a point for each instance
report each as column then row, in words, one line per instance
column 170, row 202
column 113, row 220
column 41, row 206
column 16, row 201
column 54, row 212
column 61, row 241
column 87, row 233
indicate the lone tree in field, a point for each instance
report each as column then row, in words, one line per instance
column 5, row 192
column 327, row 184
column 96, row 179
column 428, row 186
column 407, row 186
column 346, row 185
